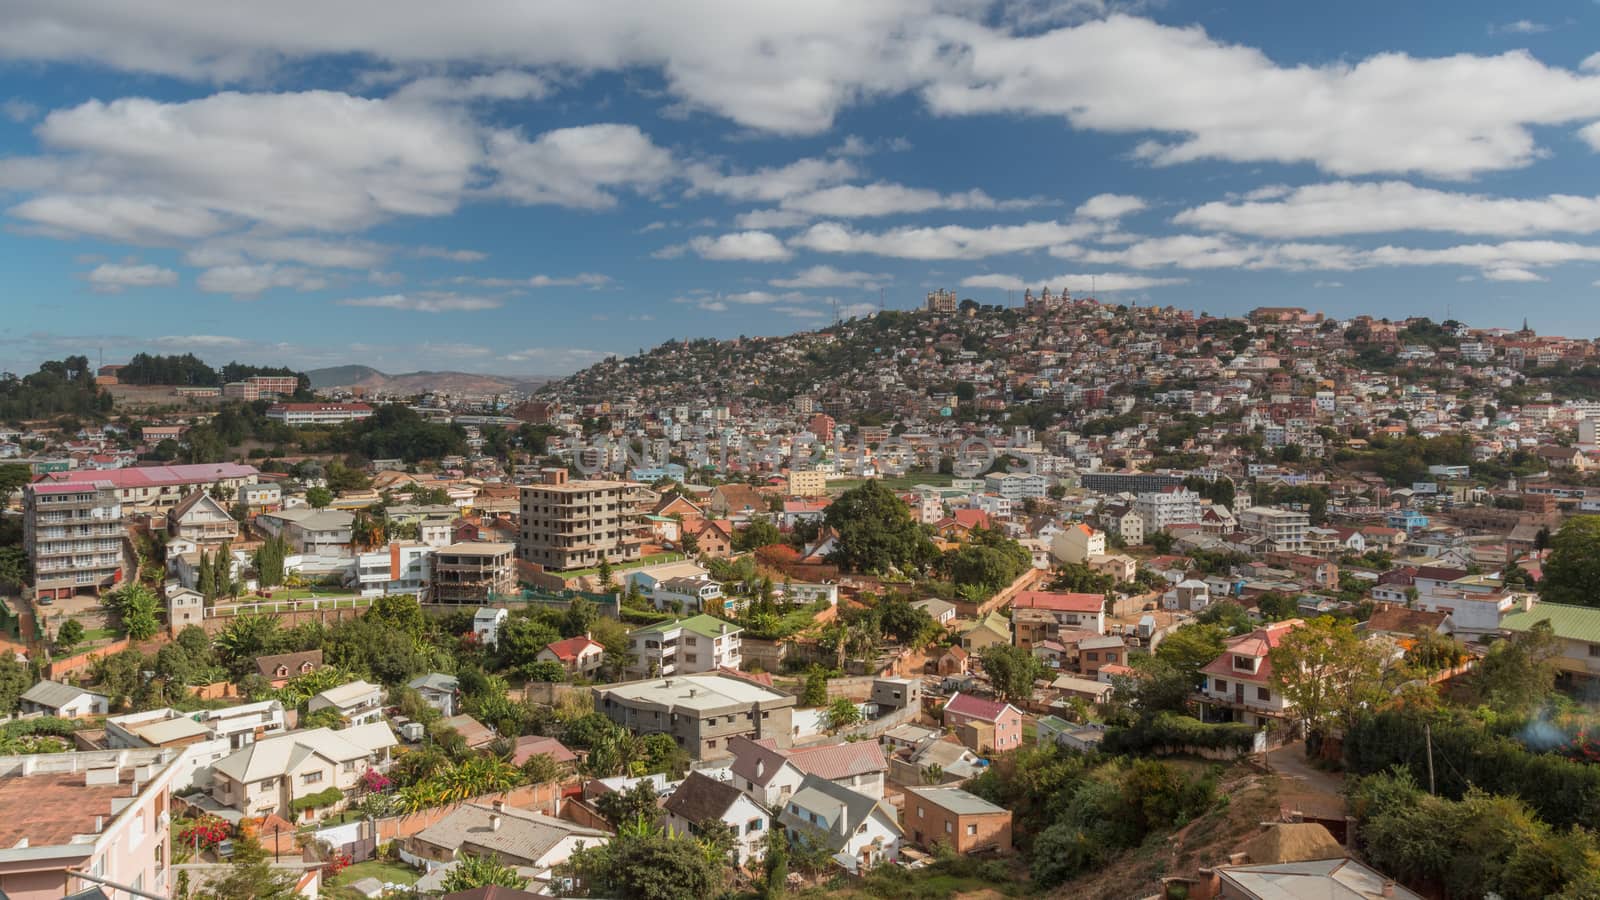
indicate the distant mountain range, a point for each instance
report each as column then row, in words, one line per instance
column 458, row 383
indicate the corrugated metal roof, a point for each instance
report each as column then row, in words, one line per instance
column 1575, row 623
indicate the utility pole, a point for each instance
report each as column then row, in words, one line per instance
column 1427, row 734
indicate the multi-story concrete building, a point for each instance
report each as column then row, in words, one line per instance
column 1284, row 529
column 104, row 813
column 156, row 488
column 73, row 533
column 942, row 301
column 576, row 524
column 807, row 483
column 1167, row 507
column 701, row 712
column 296, row 414
column 1077, row 544
column 695, row 644
column 403, row 567
column 1127, row 482
column 1238, row 684
column 473, row 572
column 1017, row 486
column 960, row 820
column 316, row 531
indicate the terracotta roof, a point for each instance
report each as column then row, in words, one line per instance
column 531, row 745
column 1060, row 601
column 977, row 708
column 572, row 648
column 267, row 665
column 836, row 761
column 1258, row 644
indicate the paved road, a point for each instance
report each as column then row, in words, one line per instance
column 1316, row 792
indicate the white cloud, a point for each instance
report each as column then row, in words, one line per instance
column 1083, row 284
column 313, row 160
column 770, row 184
column 451, row 255
column 112, row 278
column 581, row 167
column 198, row 340
column 558, row 359
column 850, row 201
column 1110, row 206
column 943, row 242
column 252, row 280
column 133, row 220
column 1520, row 26
column 386, row 279
column 829, row 277
column 792, row 67
column 1327, row 284
column 426, row 301
column 1345, row 207
column 317, row 252
column 503, row 85
column 1511, row 273
column 1189, row 251
column 582, row 279
column 753, row 246
column 18, row 110
column 759, row 219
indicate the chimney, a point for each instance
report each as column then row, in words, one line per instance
column 99, row 824
column 1350, row 833
column 494, row 822
column 691, row 692
column 1238, row 859
column 499, row 805
column 1388, row 888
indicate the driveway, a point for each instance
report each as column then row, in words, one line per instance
column 1305, row 787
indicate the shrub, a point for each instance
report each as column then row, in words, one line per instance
column 1169, row 732
column 318, row 800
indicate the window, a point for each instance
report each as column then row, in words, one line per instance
column 949, row 828
column 311, row 778
column 1221, row 685
column 1594, row 649
column 711, row 743
column 972, row 830
column 1263, row 694
column 921, row 813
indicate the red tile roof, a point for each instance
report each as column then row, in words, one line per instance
column 151, row 476
column 836, row 761
column 1257, row 644
column 1060, row 601
column 572, row 648
column 978, row 708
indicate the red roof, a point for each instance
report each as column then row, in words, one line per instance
column 1257, row 644
column 978, row 708
column 835, row 761
column 1060, row 601
column 973, row 518
column 151, row 476
column 572, row 648
column 529, row 746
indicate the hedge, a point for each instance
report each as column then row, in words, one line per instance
column 1563, row 792
column 318, row 800
column 1169, row 730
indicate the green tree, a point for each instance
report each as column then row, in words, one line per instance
column 249, row 875
column 318, row 497
column 14, row 681
column 605, row 574
column 841, row 714
column 1275, row 606
column 1572, row 572
column 876, row 531
column 1518, row 673
column 473, row 871
column 644, row 863
column 1328, row 675
column 816, row 689
column 1012, row 670
column 69, row 635
column 13, row 565
column 760, row 533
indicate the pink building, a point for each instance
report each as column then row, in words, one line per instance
column 103, row 812
column 984, row 725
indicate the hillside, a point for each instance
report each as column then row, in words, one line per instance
column 373, row 381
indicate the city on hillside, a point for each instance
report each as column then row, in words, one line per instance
column 1065, row 598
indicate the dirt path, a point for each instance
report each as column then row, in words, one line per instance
column 1305, row 787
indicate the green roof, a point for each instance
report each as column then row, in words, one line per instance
column 703, row 625
column 1575, row 623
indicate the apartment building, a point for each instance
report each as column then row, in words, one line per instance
column 403, row 567
column 297, row 414
column 1016, row 486
column 575, row 524
column 1286, row 530
column 473, row 572
column 696, row 644
column 159, row 488
column 1077, row 544
column 1167, row 507
column 807, row 483
column 72, row 531
column 106, row 813
column 315, row 531
column 200, row 518
column 701, row 712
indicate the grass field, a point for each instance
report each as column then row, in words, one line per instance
column 896, row 482
column 386, row 872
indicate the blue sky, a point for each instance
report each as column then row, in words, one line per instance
column 521, row 188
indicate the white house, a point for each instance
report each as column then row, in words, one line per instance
column 63, row 701
column 860, row 831
column 763, row 772
column 1077, row 544
column 486, row 624
column 358, row 702
column 700, row 798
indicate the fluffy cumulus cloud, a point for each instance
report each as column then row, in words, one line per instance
column 1346, row 207
column 580, row 167
column 771, row 183
column 503, row 85
column 751, row 246
column 112, row 278
column 1110, row 206
column 850, row 201
column 425, row 301
column 792, row 67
